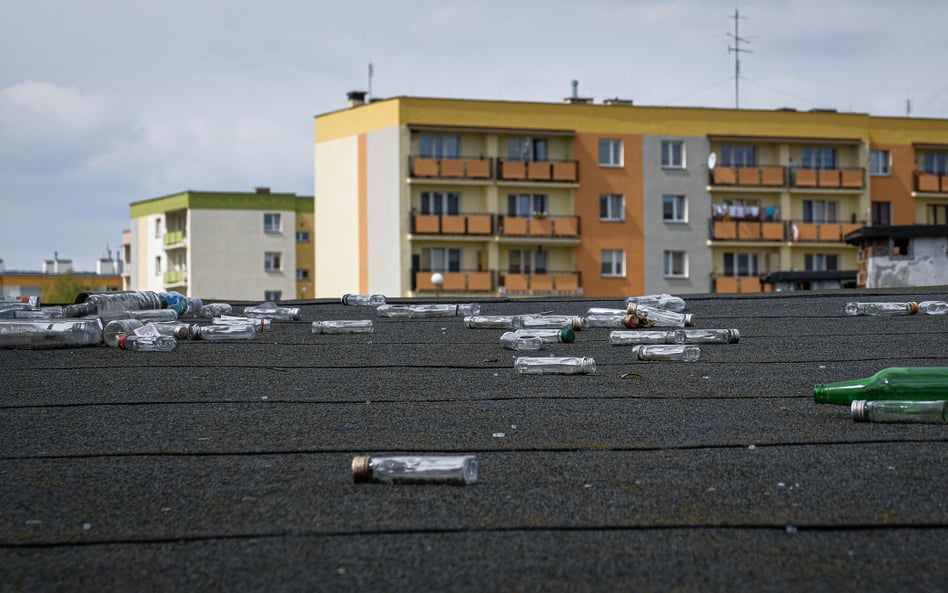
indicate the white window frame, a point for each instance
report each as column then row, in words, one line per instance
column 679, row 208
column 158, row 229
column 440, row 259
column 611, row 152
column 614, row 260
column 614, row 206
column 672, row 158
column 526, row 205
column 272, row 223
column 272, row 261
column 441, row 202
column 439, row 146
column 272, row 296
column 880, row 163
column 302, row 273
column 739, row 261
column 673, row 257
column 302, row 237
column 523, row 261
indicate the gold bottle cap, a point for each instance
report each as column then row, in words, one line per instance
column 914, row 306
column 360, row 469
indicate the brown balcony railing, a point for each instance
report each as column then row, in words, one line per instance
column 539, row 226
column 764, row 176
column 747, row 230
column 463, row 281
column 802, row 232
column 931, row 182
column 552, row 171
column 452, row 224
column 737, row 284
column 852, row 178
column 459, row 168
column 547, row 283
column 484, row 168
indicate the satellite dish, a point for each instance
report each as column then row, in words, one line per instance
column 712, row 160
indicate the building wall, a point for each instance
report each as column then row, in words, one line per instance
column 386, row 214
column 897, row 187
column 337, row 217
column 926, row 266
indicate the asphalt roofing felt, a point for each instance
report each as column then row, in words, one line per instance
column 226, row 466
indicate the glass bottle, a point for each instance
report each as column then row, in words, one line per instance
column 659, row 301
column 431, row 469
column 548, row 335
column 270, row 310
column 142, row 315
column 706, row 336
column 555, row 365
column 344, row 326
column 551, row 322
column 427, row 310
column 364, row 300
column 215, row 310
column 513, row 341
column 856, row 308
column 117, row 328
column 640, row 336
column 933, row 412
column 109, row 302
column 649, row 316
column 896, row 383
column 215, row 332
column 260, row 323
column 51, row 312
column 677, row 352
column 933, row 307
column 50, row 333
column 146, row 343
column 601, row 318
column 493, row 321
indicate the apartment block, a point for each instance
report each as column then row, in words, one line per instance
column 223, row 245
column 606, row 199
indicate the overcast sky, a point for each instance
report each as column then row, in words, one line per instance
column 104, row 103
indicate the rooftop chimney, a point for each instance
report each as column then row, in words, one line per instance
column 356, row 98
column 261, row 190
column 575, row 98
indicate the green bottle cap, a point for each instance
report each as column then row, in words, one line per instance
column 567, row 335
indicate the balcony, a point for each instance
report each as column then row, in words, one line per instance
column 173, row 238
column 455, row 282
column 175, row 278
column 485, row 169
column 848, row 179
column 452, row 224
column 485, row 225
column 460, row 168
column 822, row 232
column 930, row 182
column 768, row 176
column 503, row 282
column 796, row 231
column 737, row 284
column 780, row 177
column 549, row 171
column 540, row 284
column 566, row 227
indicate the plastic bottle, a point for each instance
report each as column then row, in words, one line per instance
column 51, row 312
column 933, row 307
column 493, row 321
column 33, row 302
column 117, row 328
column 344, row 326
column 215, row 310
column 142, row 315
column 260, row 323
column 270, row 310
column 659, row 301
column 427, row 310
column 512, row 341
column 555, row 365
column 147, row 343
column 643, row 336
column 53, row 333
column 648, row 316
column 677, row 352
column 855, row 308
column 933, row 412
column 896, row 383
column 706, row 336
column 110, row 302
column 364, row 300
column 458, row 470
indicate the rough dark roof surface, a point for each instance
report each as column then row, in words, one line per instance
column 226, row 466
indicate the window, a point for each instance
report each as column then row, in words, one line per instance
column 937, row 214
column 158, row 265
column 676, row 264
column 880, row 163
column 673, row 208
column 527, row 149
column 738, row 155
column 302, row 236
column 302, row 274
column 158, row 228
column 437, row 146
column 272, row 261
column 527, row 262
column 673, row 154
column 819, row 158
column 819, row 211
column 935, row 163
column 613, row 263
column 741, row 264
column 821, row 262
column 526, row 204
column 611, row 207
column 272, row 296
column 882, row 213
column 610, row 153
column 440, row 202
column 439, row 259
column 271, row 222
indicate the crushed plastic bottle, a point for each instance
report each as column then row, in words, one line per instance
column 53, row 333
column 555, row 365
column 933, row 307
column 644, row 336
column 363, row 300
column 270, row 310
column 143, row 315
column 218, row 333
column 427, row 310
column 706, row 336
column 117, row 328
column 676, row 352
column 109, row 302
column 551, row 335
column 659, row 301
column 344, row 326
column 448, row 469
column 26, row 312
column 857, row 308
column 211, row 310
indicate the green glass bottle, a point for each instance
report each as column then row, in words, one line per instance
column 900, row 383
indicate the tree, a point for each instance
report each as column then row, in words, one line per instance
column 63, row 290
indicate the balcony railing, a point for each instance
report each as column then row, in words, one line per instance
column 539, row 226
column 930, row 182
column 563, row 282
column 833, row 232
column 533, row 284
column 544, row 226
column 453, row 224
column 796, row 177
column 485, row 168
column 796, row 231
column 173, row 237
column 174, row 277
column 737, row 284
column 456, row 282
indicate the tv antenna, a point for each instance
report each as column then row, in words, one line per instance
column 370, row 82
column 736, row 50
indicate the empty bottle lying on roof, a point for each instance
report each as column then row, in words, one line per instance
column 643, row 336
column 138, row 343
column 706, row 336
column 270, row 310
column 648, row 316
column 856, row 308
column 551, row 321
column 659, row 301
column 218, row 332
column 933, row 412
column 897, row 383
column 51, row 312
column 600, row 317
column 215, row 310
column 678, row 352
column 33, row 302
column 52, row 333
column 260, row 323
column 933, row 307
column 432, row 469
column 117, row 328
column 555, row 365
column 493, row 321
column 183, row 305
column 512, row 341
column 550, row 335
column 109, row 302
column 344, row 326
column 428, row 310
column 142, row 315
column 364, row 300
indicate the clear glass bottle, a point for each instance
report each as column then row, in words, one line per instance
column 604, row 319
column 363, row 300
column 551, row 322
column 430, row 469
column 146, row 343
column 260, row 323
column 676, row 352
column 344, row 326
column 142, row 315
column 555, row 365
column 270, row 310
column 933, row 307
column 659, row 301
column 211, row 310
column 549, row 335
column 512, row 341
column 51, row 312
column 896, row 383
column 493, row 321
column 427, row 310
column 857, row 308
column 706, row 336
column 117, row 328
column 641, row 336
column 217, row 332
column 930, row 412
column 50, row 333
column 649, row 316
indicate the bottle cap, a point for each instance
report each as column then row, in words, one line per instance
column 858, row 410
column 914, row 306
column 578, row 323
column 344, row 299
column 689, row 319
column 567, row 335
column 735, row 336
column 121, row 340
column 360, row 469
column 631, row 321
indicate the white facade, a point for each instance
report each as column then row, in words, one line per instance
column 925, row 265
